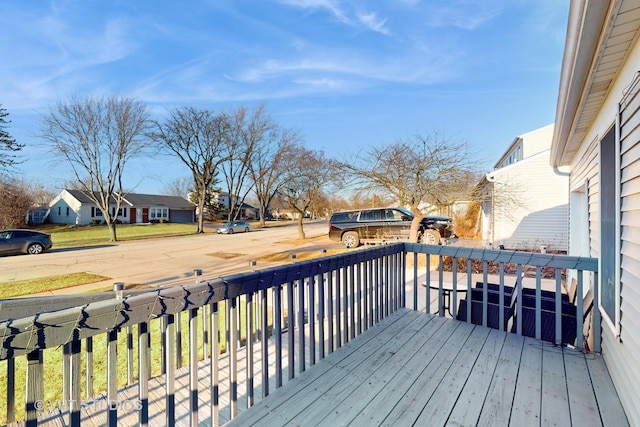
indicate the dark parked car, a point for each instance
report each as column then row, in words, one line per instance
column 231, row 227
column 383, row 225
column 23, row 242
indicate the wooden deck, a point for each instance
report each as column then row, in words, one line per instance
column 417, row 369
column 410, row 369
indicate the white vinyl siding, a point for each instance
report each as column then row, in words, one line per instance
column 626, row 369
column 531, row 205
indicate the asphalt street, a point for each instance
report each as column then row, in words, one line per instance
column 162, row 262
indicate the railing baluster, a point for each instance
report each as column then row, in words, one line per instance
column 558, row 306
column 485, row 293
column 163, row 345
column 301, row 322
column 35, row 387
column 321, row 317
column 365, row 295
column 277, row 305
column 249, row 348
column 428, row 284
column 233, row 357
column 338, row 320
column 129, row 355
column 519, row 279
column 205, row 332
column 143, row 379
column 358, row 296
column 89, row 368
column 193, row 367
column 178, row 341
column 454, row 302
column 11, row 394
column 579, row 299
column 112, row 377
column 290, row 332
column 370, row 281
column 214, row 365
column 538, row 302
column 330, row 319
column 469, row 284
column 352, row 302
column 265, row 342
column 501, row 296
column 75, row 376
column 66, row 385
column 312, row 320
column 168, row 359
column 346, row 315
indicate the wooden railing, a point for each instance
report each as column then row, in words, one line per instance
column 281, row 319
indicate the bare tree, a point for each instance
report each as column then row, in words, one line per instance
column 424, row 169
column 179, row 187
column 197, row 137
column 8, row 145
column 97, row 137
column 15, row 202
column 247, row 131
column 269, row 165
column 308, row 171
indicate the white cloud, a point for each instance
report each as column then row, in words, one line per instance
column 330, row 6
column 371, row 21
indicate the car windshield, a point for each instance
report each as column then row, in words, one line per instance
column 406, row 211
column 228, row 224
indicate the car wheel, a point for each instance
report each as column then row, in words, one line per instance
column 430, row 237
column 351, row 239
column 231, row 231
column 35, row 249
column 246, row 230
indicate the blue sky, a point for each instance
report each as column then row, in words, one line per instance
column 347, row 74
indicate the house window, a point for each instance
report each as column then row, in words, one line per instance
column 608, row 220
column 67, row 211
column 158, row 213
column 59, row 211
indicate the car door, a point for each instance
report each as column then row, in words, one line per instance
column 397, row 224
column 372, row 223
column 5, row 242
column 9, row 242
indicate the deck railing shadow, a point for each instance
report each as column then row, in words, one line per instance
column 255, row 331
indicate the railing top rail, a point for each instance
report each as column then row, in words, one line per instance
column 500, row 255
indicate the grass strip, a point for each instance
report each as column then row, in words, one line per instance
column 44, row 284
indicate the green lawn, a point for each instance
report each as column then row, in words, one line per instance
column 68, row 237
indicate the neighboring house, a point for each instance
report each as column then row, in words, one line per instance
column 597, row 134
column 247, row 212
column 525, row 202
column 74, row 207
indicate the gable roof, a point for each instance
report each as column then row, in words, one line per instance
column 141, row 200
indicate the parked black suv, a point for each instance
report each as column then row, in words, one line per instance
column 383, row 225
